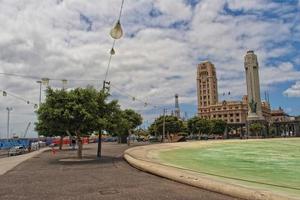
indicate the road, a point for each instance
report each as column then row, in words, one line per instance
column 46, row 177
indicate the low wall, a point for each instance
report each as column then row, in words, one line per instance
column 144, row 159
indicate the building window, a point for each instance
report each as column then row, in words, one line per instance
column 225, row 115
column 237, row 120
column 231, row 120
column 214, row 116
column 220, row 116
column 231, row 115
column 237, row 114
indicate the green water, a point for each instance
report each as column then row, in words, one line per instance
column 274, row 162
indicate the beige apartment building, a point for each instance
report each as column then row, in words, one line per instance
column 233, row 112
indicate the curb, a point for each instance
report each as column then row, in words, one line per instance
column 9, row 163
column 198, row 180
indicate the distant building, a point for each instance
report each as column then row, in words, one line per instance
column 279, row 115
column 233, row 112
column 239, row 114
column 207, row 86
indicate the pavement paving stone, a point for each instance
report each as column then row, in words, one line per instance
column 45, row 177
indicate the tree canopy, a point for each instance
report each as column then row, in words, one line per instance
column 82, row 111
column 197, row 125
column 172, row 125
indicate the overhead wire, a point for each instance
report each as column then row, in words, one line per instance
column 119, row 90
column 6, row 93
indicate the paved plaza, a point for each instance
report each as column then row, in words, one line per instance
column 44, row 176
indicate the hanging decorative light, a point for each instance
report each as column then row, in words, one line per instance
column 133, row 98
column 145, row 104
column 28, row 102
column 112, row 51
column 4, row 94
column 116, row 32
column 35, row 106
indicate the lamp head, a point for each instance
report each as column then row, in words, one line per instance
column 116, row 32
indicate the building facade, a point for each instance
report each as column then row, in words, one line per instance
column 233, row 112
column 250, row 109
column 207, row 86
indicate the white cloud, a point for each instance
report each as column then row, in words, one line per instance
column 155, row 59
column 293, row 91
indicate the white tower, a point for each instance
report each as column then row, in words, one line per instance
column 253, row 88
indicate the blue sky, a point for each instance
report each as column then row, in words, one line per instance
column 163, row 42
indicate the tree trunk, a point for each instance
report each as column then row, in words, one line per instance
column 128, row 138
column 169, row 138
column 61, row 142
column 79, row 143
column 123, row 139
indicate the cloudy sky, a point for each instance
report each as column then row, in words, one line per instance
column 163, row 42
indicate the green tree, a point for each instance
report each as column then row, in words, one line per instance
column 78, row 112
column 256, row 128
column 218, row 126
column 129, row 121
column 192, row 125
column 50, row 121
column 121, row 123
column 172, row 125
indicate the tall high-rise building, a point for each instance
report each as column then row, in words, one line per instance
column 253, row 87
column 207, row 88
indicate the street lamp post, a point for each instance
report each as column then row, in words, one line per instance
column 64, row 83
column 40, row 97
column 104, row 87
column 116, row 33
column 8, row 118
column 164, row 125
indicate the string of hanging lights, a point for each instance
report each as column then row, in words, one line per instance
column 45, row 81
column 6, row 93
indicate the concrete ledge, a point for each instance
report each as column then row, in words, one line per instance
column 140, row 157
column 9, row 163
column 76, row 160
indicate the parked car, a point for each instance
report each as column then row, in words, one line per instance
column 16, row 150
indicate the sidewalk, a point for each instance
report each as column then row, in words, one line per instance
column 9, row 163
